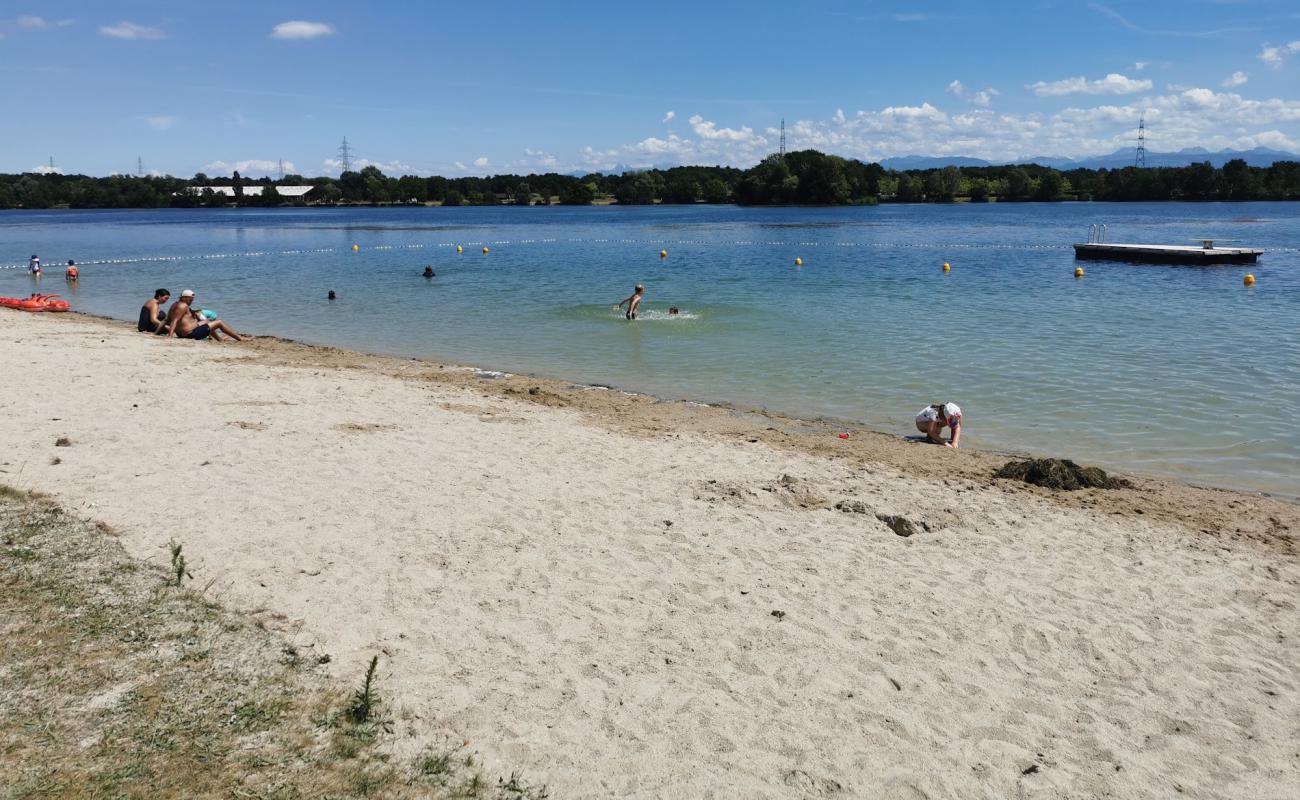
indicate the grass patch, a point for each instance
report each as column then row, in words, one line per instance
column 364, row 700
column 120, row 683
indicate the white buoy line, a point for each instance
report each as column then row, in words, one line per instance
column 656, row 243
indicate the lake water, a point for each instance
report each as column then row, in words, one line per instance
column 1167, row 370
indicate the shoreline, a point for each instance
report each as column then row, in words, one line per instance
column 605, row 591
column 632, row 411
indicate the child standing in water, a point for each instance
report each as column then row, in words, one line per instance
column 634, row 302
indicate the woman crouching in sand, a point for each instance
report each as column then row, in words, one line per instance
column 937, row 416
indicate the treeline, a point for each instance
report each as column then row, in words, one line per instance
column 805, row 177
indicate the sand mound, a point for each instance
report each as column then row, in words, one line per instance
column 1060, row 473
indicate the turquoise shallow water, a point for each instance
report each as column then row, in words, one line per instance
column 1166, row 370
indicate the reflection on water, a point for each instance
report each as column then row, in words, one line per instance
column 1171, row 370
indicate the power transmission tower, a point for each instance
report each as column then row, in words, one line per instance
column 1141, row 159
column 782, row 137
column 345, row 155
column 281, row 170
column 139, row 167
column 52, row 167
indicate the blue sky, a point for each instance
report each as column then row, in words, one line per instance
column 488, row 87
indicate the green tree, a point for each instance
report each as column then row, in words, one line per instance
column 910, row 188
column 1050, row 185
column 1239, row 180
column 352, row 186
column 1197, row 182
column 716, row 190
column 1019, row 184
column 578, row 194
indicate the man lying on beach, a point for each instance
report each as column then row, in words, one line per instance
column 185, row 323
column 937, row 416
column 151, row 316
column 634, row 302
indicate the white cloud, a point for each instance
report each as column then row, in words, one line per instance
column 1114, row 83
column 130, row 30
column 387, row 167
column 669, row 117
column 981, row 98
column 1138, row 66
column 1235, row 79
column 159, row 122
column 460, row 165
column 46, row 169
column 1275, row 56
column 32, row 23
column 708, row 130
column 301, row 29
column 1193, row 116
column 536, row 159
column 256, row 167
column 481, row 162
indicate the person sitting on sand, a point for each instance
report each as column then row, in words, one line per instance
column 73, row 274
column 185, row 323
column 937, row 416
column 428, row 272
column 151, row 316
column 633, row 303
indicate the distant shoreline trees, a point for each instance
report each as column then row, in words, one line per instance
column 805, row 177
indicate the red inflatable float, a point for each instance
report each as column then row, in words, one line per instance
column 37, row 302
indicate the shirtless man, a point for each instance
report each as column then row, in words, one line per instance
column 151, row 316
column 185, row 323
column 634, row 302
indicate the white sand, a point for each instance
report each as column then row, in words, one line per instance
column 515, row 566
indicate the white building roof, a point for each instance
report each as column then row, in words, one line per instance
column 255, row 190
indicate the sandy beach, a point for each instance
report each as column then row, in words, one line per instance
column 630, row 598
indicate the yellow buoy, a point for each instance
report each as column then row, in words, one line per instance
column 663, row 253
column 1249, row 280
column 798, row 262
column 947, row 267
column 356, row 247
column 459, row 249
column 485, row 250
column 1078, row 272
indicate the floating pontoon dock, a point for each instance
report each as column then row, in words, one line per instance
column 1207, row 253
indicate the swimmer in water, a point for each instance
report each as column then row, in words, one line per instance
column 672, row 311
column 428, row 272
column 633, row 303
column 72, row 274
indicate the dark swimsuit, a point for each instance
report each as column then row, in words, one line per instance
column 200, row 332
column 145, row 325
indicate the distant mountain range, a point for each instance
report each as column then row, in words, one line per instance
column 1124, row 157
